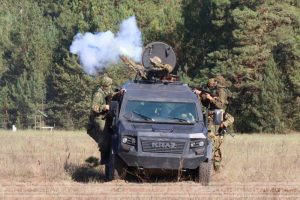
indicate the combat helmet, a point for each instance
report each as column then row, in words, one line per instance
column 211, row 81
column 221, row 81
column 155, row 60
column 106, row 81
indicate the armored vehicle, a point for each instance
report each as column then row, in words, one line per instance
column 158, row 124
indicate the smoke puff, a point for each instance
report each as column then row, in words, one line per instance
column 99, row 50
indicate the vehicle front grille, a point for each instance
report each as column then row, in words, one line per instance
column 155, row 146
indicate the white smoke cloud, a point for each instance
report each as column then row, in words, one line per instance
column 99, row 50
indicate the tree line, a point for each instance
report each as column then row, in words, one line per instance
column 255, row 44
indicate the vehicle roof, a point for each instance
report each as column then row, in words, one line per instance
column 173, row 91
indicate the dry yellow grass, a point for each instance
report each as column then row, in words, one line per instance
column 42, row 154
column 262, row 158
column 43, row 164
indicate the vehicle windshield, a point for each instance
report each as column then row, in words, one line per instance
column 153, row 111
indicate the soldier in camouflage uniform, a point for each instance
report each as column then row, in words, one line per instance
column 98, row 127
column 216, row 100
column 158, row 69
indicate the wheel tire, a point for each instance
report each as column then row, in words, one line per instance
column 204, row 172
column 120, row 168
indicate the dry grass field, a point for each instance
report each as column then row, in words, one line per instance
column 55, row 165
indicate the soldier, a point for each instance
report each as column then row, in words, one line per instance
column 158, row 69
column 98, row 127
column 216, row 100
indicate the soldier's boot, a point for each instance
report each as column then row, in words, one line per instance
column 217, row 166
column 217, row 158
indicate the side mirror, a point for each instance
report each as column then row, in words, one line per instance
column 218, row 116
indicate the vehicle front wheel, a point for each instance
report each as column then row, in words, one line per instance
column 204, row 172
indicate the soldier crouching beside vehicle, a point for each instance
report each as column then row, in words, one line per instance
column 98, row 126
column 216, row 98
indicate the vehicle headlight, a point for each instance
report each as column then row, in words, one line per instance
column 201, row 144
column 124, row 140
column 197, row 143
column 130, row 140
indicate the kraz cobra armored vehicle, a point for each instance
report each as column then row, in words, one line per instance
column 158, row 124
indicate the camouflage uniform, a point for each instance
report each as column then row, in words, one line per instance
column 158, row 69
column 98, row 127
column 219, row 101
column 159, row 66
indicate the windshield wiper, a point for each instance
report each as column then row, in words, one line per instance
column 145, row 117
column 179, row 119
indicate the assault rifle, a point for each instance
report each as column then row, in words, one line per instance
column 206, row 90
column 224, row 131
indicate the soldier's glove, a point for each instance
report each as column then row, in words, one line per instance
column 122, row 91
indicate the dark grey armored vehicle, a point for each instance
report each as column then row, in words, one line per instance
column 159, row 126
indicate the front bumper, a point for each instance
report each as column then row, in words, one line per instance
column 142, row 157
column 161, row 162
